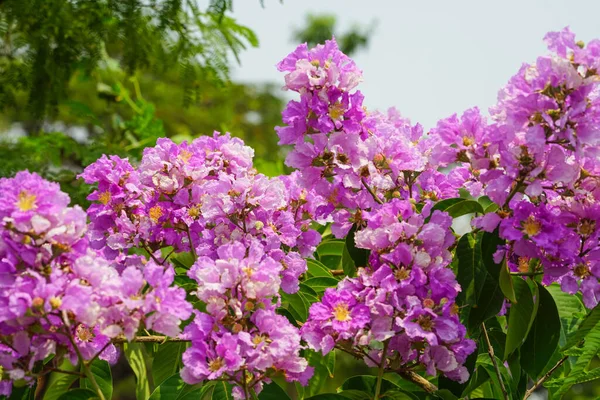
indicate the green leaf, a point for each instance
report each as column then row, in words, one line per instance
column 463, row 208
column 444, row 204
column 183, row 260
column 135, row 356
column 520, row 316
column 506, row 283
column 359, row 256
column 331, row 248
column 468, row 253
column 316, row 268
column 570, row 310
column 367, row 384
column 273, row 391
column 60, row 383
column 321, row 374
column 167, row 361
column 331, row 363
column 490, row 297
column 174, row 388
column 79, row 394
column 319, row 284
column 328, row 396
column 222, row 391
column 298, row 305
column 103, row 376
column 543, row 336
column 589, row 323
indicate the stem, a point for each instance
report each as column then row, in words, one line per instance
column 149, row 339
column 526, row 273
column 418, row 380
column 512, row 193
column 192, row 249
column 381, row 369
column 337, row 272
column 245, row 385
column 491, row 353
column 377, row 199
column 64, row 371
column 543, row 379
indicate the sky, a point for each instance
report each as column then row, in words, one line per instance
column 429, row 59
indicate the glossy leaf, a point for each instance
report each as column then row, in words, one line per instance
column 135, row 357
column 543, row 336
column 167, row 361
column 520, row 316
column 273, row 391
column 79, row 394
column 103, row 377
column 60, row 383
column 321, row 283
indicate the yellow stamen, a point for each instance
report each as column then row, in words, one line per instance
column 215, row 365
column 26, row 201
column 531, row 226
column 401, row 274
column 341, row 312
column 155, row 213
column 581, row 271
column 425, row 322
column 185, row 156
column 104, row 197
column 468, row 141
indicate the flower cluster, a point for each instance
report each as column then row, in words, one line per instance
column 404, row 298
column 538, row 161
column 240, row 337
column 206, row 194
column 58, row 295
column 351, row 157
column 363, row 164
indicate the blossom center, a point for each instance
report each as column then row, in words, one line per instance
column 215, row 365
column 84, row 334
column 401, row 274
column 581, row 271
column 468, row 141
column 531, row 226
column 587, row 227
column 185, row 156
column 341, row 312
column 26, row 201
column 104, row 197
column 155, row 213
column 425, row 322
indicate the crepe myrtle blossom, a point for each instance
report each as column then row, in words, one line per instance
column 54, row 286
column 405, row 297
column 240, row 338
column 205, row 193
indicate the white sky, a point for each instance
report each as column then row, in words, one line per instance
column 429, row 59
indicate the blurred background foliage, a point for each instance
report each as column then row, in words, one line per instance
column 82, row 78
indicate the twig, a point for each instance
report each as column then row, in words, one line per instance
column 64, row 371
column 381, row 368
column 377, row 199
column 149, row 339
column 491, row 353
column 526, row 273
column 418, row 380
column 543, row 379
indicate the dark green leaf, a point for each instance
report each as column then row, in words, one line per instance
column 359, row 256
column 174, row 388
column 506, row 283
column 331, row 248
column 463, row 208
column 543, row 336
column 298, row 305
column 520, row 316
column 273, row 391
column 222, row 391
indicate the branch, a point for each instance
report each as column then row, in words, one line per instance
column 491, row 353
column 337, row 272
column 149, row 339
column 377, row 199
column 526, row 273
column 418, row 380
column 543, row 379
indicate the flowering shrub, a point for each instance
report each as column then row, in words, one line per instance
column 239, row 283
